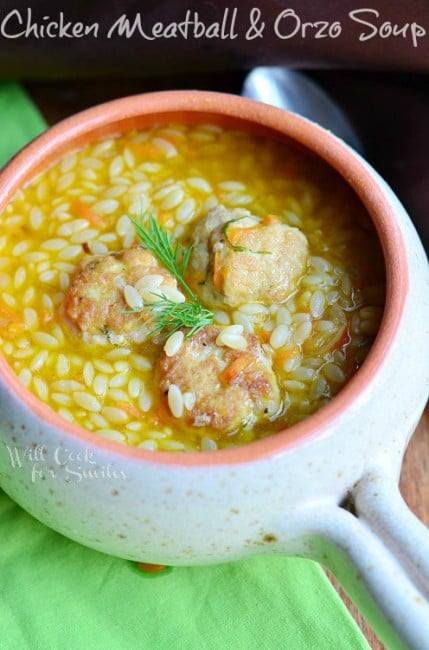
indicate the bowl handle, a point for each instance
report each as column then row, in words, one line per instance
column 379, row 552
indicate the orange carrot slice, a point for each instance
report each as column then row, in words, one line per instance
column 147, row 150
column 234, row 234
column 86, row 213
column 151, row 568
column 345, row 338
column 231, row 372
column 265, row 336
column 163, row 217
column 284, row 354
column 217, row 272
column 9, row 317
column 130, row 409
column 163, row 413
column 270, row 220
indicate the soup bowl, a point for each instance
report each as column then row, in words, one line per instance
column 325, row 489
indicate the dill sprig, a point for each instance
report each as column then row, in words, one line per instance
column 168, row 316
column 164, row 314
column 171, row 254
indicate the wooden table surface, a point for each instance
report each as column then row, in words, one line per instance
column 59, row 100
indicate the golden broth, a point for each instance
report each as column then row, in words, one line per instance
column 317, row 339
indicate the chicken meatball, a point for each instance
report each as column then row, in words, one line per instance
column 224, row 388
column 240, row 258
column 98, row 300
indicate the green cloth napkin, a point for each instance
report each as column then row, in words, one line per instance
column 20, row 121
column 56, row 594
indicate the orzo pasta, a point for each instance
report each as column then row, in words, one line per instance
column 284, row 256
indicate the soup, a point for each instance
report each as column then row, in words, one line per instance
column 272, row 303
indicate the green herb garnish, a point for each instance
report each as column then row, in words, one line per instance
column 166, row 315
column 239, row 249
column 172, row 255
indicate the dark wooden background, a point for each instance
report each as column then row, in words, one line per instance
column 404, row 164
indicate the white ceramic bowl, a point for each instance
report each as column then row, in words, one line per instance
column 283, row 494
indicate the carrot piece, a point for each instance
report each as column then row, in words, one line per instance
column 10, row 324
column 217, row 272
column 86, row 213
column 237, row 366
column 163, row 217
column 151, row 568
column 270, row 220
column 45, row 316
column 130, row 409
column 265, row 335
column 9, row 333
column 284, row 354
column 234, row 234
column 9, row 317
column 281, row 356
column 345, row 338
column 147, row 150
column 163, row 413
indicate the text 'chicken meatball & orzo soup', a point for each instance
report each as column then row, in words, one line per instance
column 188, row 287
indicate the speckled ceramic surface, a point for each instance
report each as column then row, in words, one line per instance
column 278, row 495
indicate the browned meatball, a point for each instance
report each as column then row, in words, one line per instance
column 96, row 300
column 227, row 388
column 244, row 259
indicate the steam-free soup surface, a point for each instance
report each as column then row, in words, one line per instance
column 283, row 255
